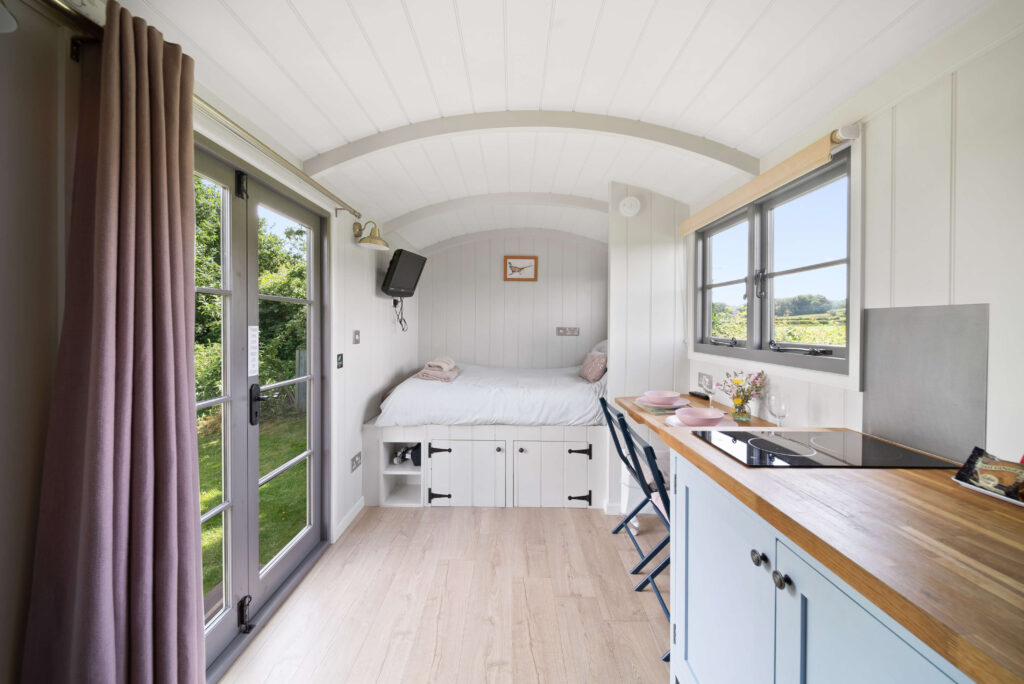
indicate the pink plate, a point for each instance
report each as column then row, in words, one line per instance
column 678, row 403
column 661, row 397
column 700, row 417
column 672, row 421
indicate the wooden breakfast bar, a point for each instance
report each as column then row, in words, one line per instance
column 933, row 558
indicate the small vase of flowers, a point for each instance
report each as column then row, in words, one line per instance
column 742, row 388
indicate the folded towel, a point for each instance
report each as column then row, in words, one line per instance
column 442, row 363
column 440, row 375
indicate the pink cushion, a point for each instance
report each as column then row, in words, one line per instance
column 594, row 366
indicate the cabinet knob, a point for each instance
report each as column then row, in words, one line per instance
column 522, row 450
column 781, row 581
column 757, row 558
column 498, row 449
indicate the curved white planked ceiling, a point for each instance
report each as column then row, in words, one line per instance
column 312, row 76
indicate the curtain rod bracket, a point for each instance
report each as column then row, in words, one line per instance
column 77, row 42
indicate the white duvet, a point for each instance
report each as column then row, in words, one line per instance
column 497, row 396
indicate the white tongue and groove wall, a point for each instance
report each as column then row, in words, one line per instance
column 647, row 306
column 469, row 312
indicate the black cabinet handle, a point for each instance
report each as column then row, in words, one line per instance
column 522, row 450
column 498, row 449
column 781, row 581
column 757, row 558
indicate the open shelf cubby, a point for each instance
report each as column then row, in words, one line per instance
column 403, row 492
column 402, row 484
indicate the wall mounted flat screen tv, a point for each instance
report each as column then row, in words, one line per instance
column 403, row 274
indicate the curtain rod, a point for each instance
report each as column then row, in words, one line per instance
column 78, row 16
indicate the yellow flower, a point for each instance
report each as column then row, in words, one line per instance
column 737, row 401
column 737, row 381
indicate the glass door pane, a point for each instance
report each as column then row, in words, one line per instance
column 221, row 397
column 284, row 446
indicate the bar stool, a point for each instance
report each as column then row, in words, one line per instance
column 614, row 420
column 643, row 454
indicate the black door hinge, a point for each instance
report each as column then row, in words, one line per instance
column 241, row 185
column 244, row 626
column 431, row 450
column 589, row 451
column 584, row 497
column 431, row 495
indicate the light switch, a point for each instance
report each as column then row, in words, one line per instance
column 341, row 360
column 355, row 337
column 562, row 331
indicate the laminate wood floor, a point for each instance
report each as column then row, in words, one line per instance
column 469, row 595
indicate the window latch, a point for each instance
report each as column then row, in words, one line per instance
column 725, row 343
column 759, row 280
column 809, row 351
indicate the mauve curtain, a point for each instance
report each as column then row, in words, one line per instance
column 116, row 588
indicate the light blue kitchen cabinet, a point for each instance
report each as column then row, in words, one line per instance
column 749, row 606
column 824, row 635
column 729, row 600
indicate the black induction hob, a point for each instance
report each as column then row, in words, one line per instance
column 825, row 449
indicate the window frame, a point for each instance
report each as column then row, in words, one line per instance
column 760, row 310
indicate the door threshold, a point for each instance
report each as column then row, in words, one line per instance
column 230, row 654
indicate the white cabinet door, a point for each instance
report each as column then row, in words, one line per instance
column 526, row 474
column 547, row 474
column 488, row 473
column 576, row 475
column 467, row 473
column 728, row 601
column 552, row 474
column 450, row 476
column 822, row 634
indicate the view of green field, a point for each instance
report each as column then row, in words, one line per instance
column 803, row 319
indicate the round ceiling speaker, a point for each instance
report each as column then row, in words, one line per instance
column 629, row 206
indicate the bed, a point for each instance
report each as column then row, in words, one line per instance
column 483, row 395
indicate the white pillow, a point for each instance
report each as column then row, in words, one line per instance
column 601, row 347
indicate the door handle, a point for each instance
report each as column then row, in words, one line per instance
column 255, row 397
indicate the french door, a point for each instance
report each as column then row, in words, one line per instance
column 257, row 390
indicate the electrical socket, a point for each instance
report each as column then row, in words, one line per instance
column 563, row 331
column 357, row 461
column 706, row 382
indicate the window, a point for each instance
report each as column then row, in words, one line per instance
column 773, row 277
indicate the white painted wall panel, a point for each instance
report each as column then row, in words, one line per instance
column 921, row 199
column 878, row 211
column 988, row 239
column 646, row 349
column 471, row 314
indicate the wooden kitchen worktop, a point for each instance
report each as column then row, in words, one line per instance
column 945, row 562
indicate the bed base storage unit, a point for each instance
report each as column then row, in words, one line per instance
column 487, row 466
column 466, row 473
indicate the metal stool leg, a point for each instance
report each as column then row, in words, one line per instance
column 632, row 514
column 649, row 579
column 653, row 552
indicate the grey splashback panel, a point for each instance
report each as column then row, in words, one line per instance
column 926, row 377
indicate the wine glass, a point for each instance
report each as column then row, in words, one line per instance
column 778, row 406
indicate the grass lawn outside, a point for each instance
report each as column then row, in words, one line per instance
column 283, row 504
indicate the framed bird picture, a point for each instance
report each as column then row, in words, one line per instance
column 521, row 268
